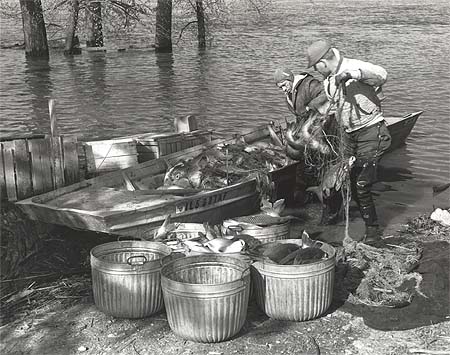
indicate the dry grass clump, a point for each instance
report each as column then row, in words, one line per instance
column 38, row 296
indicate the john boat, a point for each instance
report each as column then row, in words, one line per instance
column 103, row 204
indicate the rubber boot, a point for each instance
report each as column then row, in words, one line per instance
column 373, row 233
column 331, row 208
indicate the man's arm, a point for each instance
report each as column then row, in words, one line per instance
column 366, row 72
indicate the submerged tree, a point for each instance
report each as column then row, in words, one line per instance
column 35, row 34
column 72, row 42
column 201, row 29
column 94, row 24
column 163, row 35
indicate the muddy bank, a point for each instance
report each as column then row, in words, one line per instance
column 53, row 314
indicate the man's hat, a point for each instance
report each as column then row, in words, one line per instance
column 283, row 74
column 316, row 51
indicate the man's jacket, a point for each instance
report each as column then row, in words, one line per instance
column 358, row 104
column 307, row 94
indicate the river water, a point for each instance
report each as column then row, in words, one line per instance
column 229, row 86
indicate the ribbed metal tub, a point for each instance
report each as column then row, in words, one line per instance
column 295, row 292
column 266, row 234
column 126, row 277
column 206, row 296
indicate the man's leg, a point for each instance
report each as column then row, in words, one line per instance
column 372, row 141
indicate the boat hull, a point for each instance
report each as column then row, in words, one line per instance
column 102, row 204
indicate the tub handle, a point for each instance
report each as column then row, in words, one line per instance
column 135, row 257
column 235, row 229
column 120, row 238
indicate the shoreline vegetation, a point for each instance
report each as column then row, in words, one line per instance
column 50, row 287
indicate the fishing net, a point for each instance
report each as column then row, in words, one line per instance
column 382, row 276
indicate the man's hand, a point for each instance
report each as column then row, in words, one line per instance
column 343, row 77
column 346, row 75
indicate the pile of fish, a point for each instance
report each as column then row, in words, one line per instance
column 307, row 252
column 308, row 134
column 212, row 240
column 225, row 165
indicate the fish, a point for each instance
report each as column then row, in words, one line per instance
column 185, row 174
column 257, row 146
column 224, row 245
column 307, row 241
column 308, row 255
column 195, row 246
column 274, row 136
column 291, row 133
column 278, row 251
column 210, row 232
column 165, row 229
column 293, row 153
column 333, row 179
column 307, row 135
column 273, row 209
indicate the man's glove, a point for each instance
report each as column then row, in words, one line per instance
column 343, row 77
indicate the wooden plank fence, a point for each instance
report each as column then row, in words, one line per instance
column 30, row 166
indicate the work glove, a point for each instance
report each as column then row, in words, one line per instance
column 347, row 75
column 343, row 77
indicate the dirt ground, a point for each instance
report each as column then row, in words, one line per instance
column 57, row 315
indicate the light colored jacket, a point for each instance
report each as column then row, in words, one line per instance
column 358, row 105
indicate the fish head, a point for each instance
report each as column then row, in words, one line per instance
column 165, row 229
column 273, row 209
column 176, row 173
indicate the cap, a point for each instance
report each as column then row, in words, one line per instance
column 283, row 74
column 316, row 51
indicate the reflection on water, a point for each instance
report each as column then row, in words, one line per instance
column 229, row 86
column 39, row 83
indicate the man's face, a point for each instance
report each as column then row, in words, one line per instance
column 285, row 85
column 323, row 67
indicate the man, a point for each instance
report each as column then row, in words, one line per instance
column 305, row 95
column 351, row 86
column 303, row 91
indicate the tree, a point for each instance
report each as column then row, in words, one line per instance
column 94, row 23
column 72, row 42
column 201, row 29
column 163, row 36
column 34, row 32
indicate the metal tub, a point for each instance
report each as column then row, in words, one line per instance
column 206, row 296
column 126, row 277
column 295, row 292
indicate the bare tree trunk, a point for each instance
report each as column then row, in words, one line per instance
column 163, row 37
column 201, row 34
column 72, row 42
column 34, row 32
column 94, row 20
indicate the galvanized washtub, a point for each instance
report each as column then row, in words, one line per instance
column 126, row 277
column 265, row 228
column 206, row 296
column 295, row 292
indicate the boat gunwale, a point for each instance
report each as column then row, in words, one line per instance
column 115, row 178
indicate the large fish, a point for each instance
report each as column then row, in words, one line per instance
column 333, row 179
column 309, row 134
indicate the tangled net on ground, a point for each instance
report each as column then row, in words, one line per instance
column 383, row 276
column 424, row 227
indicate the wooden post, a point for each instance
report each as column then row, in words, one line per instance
column 56, row 148
column 53, row 123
